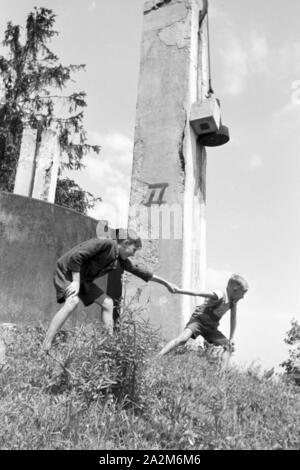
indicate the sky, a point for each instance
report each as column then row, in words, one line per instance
column 253, row 182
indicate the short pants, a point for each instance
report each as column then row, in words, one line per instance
column 208, row 328
column 88, row 292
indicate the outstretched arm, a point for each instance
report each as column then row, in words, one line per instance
column 140, row 271
column 232, row 322
column 171, row 287
column 196, row 293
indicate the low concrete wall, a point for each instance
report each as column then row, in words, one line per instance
column 33, row 235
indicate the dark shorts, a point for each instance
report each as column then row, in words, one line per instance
column 208, row 329
column 88, row 293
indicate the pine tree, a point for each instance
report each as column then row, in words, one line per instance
column 70, row 194
column 33, row 80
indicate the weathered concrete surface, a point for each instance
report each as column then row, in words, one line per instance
column 203, row 60
column 166, row 152
column 26, row 163
column 46, row 166
column 33, row 235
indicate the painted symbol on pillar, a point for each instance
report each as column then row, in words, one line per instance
column 155, row 194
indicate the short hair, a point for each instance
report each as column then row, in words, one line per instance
column 239, row 281
column 129, row 236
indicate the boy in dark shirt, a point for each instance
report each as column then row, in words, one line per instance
column 205, row 319
column 79, row 267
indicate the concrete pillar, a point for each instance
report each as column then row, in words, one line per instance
column 169, row 166
column 25, row 168
column 47, row 165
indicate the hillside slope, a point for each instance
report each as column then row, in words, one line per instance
column 113, row 393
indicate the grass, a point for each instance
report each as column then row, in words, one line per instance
column 98, row 392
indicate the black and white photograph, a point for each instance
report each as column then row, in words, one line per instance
column 149, row 228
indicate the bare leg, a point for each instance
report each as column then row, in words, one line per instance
column 59, row 319
column 107, row 308
column 225, row 359
column 181, row 339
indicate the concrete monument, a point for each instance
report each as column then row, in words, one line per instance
column 167, row 200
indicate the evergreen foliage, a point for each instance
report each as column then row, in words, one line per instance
column 70, row 194
column 33, row 80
